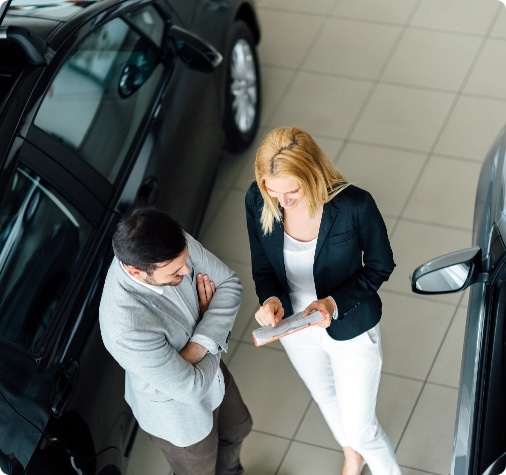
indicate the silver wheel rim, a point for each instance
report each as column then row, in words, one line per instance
column 244, row 86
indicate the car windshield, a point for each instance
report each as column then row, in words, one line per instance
column 41, row 237
column 98, row 100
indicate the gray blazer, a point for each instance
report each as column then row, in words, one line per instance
column 144, row 331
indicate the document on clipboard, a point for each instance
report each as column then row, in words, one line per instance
column 263, row 335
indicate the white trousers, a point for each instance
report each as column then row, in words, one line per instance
column 343, row 379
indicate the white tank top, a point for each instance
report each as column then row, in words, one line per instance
column 299, row 260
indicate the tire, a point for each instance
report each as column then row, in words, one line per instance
column 242, row 93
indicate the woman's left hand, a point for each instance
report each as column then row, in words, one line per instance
column 326, row 306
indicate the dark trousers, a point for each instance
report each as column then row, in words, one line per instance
column 218, row 453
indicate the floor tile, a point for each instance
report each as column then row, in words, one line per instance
column 331, row 147
column 308, row 6
column 352, row 48
column 281, row 47
column 411, row 471
column 143, row 450
column 304, row 459
column 390, row 11
column 234, row 167
column 247, row 174
column 499, row 29
column 472, row 128
column 403, row 117
column 272, row 390
column 445, row 193
column 428, row 440
column 262, row 454
column 249, row 302
column 446, row 370
column 228, row 238
column 464, row 16
column 396, row 399
column 413, row 330
column 483, row 79
column 315, row 431
column 213, row 207
column 442, row 59
column 321, row 104
column 275, row 82
column 378, row 170
column 415, row 243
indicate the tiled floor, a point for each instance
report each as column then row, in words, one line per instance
column 405, row 96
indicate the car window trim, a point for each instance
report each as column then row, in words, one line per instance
column 72, row 189
column 53, row 148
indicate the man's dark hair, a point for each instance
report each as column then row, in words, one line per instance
column 147, row 237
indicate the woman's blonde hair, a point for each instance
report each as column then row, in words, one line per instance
column 291, row 152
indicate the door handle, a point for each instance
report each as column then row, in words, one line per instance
column 64, row 386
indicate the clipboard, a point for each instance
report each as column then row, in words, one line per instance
column 293, row 323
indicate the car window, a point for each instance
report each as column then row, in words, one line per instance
column 149, row 22
column 41, row 237
column 12, row 63
column 99, row 98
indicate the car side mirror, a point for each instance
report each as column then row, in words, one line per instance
column 449, row 273
column 138, row 68
column 193, row 51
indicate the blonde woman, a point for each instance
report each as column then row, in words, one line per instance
column 318, row 242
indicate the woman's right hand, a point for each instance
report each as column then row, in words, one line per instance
column 270, row 313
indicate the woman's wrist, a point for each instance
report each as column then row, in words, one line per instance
column 335, row 314
column 269, row 298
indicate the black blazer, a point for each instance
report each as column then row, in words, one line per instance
column 353, row 258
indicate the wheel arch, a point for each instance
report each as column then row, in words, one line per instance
column 247, row 14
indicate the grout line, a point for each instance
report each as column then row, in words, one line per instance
column 298, row 69
column 426, row 381
column 304, row 414
column 429, row 223
column 446, row 121
column 375, row 83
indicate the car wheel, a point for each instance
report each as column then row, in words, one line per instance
column 242, row 95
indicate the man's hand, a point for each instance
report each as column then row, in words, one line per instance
column 270, row 313
column 193, row 352
column 205, row 290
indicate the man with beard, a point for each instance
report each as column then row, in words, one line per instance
column 166, row 314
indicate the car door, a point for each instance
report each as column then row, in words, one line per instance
column 490, row 444
column 79, row 161
column 42, row 240
column 63, row 403
column 480, row 439
column 97, row 112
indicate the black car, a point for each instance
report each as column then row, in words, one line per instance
column 104, row 105
column 480, row 430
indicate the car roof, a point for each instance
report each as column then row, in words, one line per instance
column 59, row 10
column 43, row 17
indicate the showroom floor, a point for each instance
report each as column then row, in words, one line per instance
column 405, row 96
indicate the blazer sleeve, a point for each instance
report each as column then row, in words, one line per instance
column 217, row 321
column 376, row 256
column 148, row 357
column 267, row 283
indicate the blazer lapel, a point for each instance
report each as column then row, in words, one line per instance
column 329, row 215
column 188, row 292
column 160, row 301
